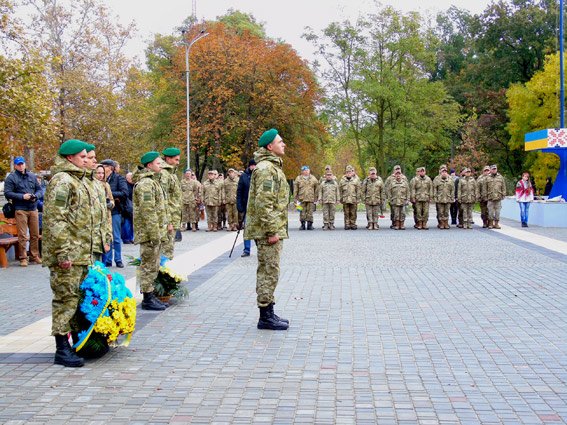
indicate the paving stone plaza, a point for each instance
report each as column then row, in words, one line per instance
column 387, row 327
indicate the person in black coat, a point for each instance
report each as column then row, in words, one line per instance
column 119, row 188
column 548, row 187
column 242, row 200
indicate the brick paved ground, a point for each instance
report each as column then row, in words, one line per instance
column 388, row 327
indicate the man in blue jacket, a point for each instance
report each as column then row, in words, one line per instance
column 242, row 199
column 22, row 188
column 119, row 188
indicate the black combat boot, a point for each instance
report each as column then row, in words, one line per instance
column 178, row 237
column 309, row 225
column 150, row 302
column 268, row 321
column 188, row 226
column 64, row 354
column 278, row 318
column 302, row 225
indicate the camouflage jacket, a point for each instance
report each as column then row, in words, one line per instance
column 390, row 179
column 102, row 221
column 329, row 192
column 305, row 189
column 212, row 193
column 198, row 191
column 268, row 199
column 398, row 192
column 373, row 191
column 481, row 188
column 495, row 187
column 421, row 189
column 229, row 187
column 68, row 216
column 443, row 190
column 349, row 188
column 467, row 192
column 150, row 215
column 172, row 190
column 187, row 193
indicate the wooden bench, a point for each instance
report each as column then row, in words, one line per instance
column 8, row 238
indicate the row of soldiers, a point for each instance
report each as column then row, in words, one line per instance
column 443, row 190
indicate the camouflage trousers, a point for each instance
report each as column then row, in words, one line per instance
column 467, row 213
column 399, row 212
column 212, row 215
column 442, row 211
column 484, row 210
column 350, row 214
column 149, row 265
column 232, row 215
column 167, row 245
column 66, row 297
column 307, row 211
column 328, row 213
column 494, row 208
column 221, row 216
column 372, row 213
column 421, row 210
column 268, row 272
column 189, row 213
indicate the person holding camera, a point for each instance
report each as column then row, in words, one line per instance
column 22, row 188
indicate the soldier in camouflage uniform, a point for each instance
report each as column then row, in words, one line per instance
column 495, row 192
column 198, row 191
column 221, row 215
column 373, row 197
column 102, row 222
column 230, row 187
column 387, row 183
column 483, row 196
column 349, row 189
column 172, row 190
column 306, row 190
column 67, row 242
column 329, row 196
column 212, row 197
column 398, row 196
column 150, row 225
column 444, row 196
column 266, row 223
column 467, row 195
column 421, row 193
column 188, row 198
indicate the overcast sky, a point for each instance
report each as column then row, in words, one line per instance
column 284, row 19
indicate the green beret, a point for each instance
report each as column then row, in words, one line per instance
column 148, row 157
column 267, row 138
column 72, row 147
column 90, row 147
column 171, row 152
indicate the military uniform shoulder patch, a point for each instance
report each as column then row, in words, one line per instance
column 61, row 196
column 267, row 185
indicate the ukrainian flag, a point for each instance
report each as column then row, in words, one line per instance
column 536, row 140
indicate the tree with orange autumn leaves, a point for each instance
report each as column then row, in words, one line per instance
column 242, row 84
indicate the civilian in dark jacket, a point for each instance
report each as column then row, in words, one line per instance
column 119, row 188
column 128, row 213
column 22, row 188
column 242, row 199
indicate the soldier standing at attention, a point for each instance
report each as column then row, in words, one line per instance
column 172, row 190
column 421, row 193
column 444, row 196
column 150, row 225
column 67, row 242
column 495, row 192
column 188, row 197
column 482, row 195
column 349, row 188
column 373, row 196
column 329, row 196
column 230, row 187
column 198, row 191
column 305, row 189
column 467, row 195
column 212, row 200
column 266, row 223
column 398, row 196
column 387, row 183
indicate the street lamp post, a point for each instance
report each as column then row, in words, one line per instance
column 188, row 45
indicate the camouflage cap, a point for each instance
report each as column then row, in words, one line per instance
column 466, row 170
column 231, row 169
column 372, row 170
column 442, row 166
column 349, row 168
column 494, row 167
column 327, row 167
column 420, row 169
column 397, row 167
column 486, row 168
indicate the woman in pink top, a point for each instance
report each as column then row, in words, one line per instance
column 524, row 196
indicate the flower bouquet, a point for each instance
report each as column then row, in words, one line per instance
column 107, row 310
column 167, row 284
